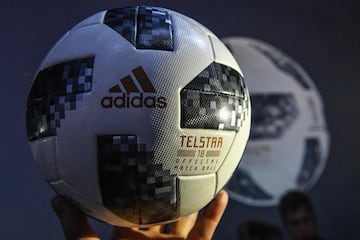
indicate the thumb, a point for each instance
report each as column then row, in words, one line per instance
column 74, row 222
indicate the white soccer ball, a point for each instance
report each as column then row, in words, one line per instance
column 138, row 116
column 289, row 142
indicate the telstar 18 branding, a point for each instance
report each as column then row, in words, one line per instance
column 133, row 97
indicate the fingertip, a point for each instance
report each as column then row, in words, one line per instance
column 218, row 204
column 223, row 197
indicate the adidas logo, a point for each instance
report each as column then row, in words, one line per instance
column 136, row 94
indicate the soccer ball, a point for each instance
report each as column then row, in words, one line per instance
column 288, row 144
column 134, row 113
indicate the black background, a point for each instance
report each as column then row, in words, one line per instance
column 323, row 36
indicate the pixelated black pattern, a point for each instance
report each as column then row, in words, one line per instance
column 123, row 21
column 311, row 161
column 215, row 99
column 56, row 90
column 283, row 63
column 242, row 183
column 144, row 27
column 272, row 115
column 154, row 29
column 132, row 186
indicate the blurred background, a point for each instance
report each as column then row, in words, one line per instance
column 322, row 36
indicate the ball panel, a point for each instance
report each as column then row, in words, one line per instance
column 144, row 27
column 132, row 186
column 123, row 21
column 213, row 99
column 45, row 154
column 195, row 192
column 54, row 92
column 154, row 29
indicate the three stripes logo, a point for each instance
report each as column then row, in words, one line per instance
column 134, row 94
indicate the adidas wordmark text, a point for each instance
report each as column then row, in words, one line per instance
column 137, row 94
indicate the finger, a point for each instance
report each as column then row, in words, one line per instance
column 183, row 226
column 206, row 225
column 74, row 223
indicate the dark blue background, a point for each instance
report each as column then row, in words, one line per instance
column 323, row 36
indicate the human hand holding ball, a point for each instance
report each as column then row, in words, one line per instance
column 76, row 226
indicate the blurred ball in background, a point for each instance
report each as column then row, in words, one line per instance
column 289, row 141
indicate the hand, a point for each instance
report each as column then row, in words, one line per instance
column 76, row 226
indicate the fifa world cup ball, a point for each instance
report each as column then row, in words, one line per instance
column 138, row 116
column 288, row 144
